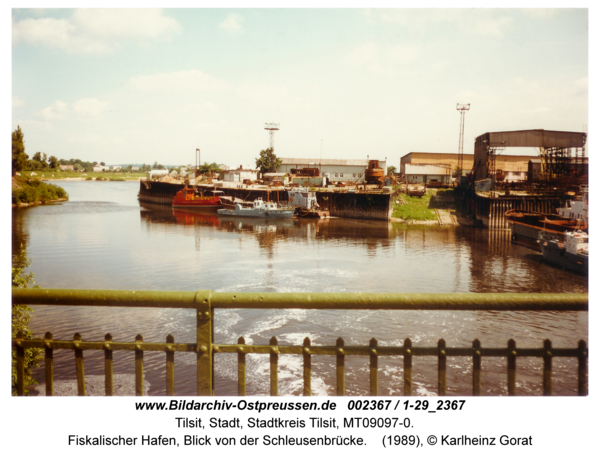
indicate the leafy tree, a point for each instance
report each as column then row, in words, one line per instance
column 19, row 158
column 391, row 169
column 37, row 156
column 268, row 161
column 208, row 168
column 34, row 165
column 77, row 167
column 21, row 316
column 103, row 164
column 53, row 162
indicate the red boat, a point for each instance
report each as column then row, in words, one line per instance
column 188, row 198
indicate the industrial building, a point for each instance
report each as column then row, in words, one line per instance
column 422, row 173
column 338, row 170
column 514, row 167
column 446, row 159
column 557, row 151
column 238, row 175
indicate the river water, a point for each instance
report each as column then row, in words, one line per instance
column 104, row 239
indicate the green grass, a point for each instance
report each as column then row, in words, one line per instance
column 416, row 209
column 35, row 191
column 49, row 174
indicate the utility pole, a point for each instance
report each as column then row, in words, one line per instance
column 197, row 162
column 462, row 109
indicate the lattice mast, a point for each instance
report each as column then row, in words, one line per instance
column 461, row 137
column 272, row 128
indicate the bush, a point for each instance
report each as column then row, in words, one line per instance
column 36, row 191
column 21, row 316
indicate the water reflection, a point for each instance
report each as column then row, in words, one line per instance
column 103, row 239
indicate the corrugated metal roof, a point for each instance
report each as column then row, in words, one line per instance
column 536, row 138
column 316, row 162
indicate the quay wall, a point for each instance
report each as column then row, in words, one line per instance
column 491, row 211
column 340, row 204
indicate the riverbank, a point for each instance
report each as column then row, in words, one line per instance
column 81, row 176
column 30, row 192
column 436, row 207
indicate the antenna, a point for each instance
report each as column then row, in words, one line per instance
column 461, row 138
column 272, row 128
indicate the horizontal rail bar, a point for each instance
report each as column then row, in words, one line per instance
column 342, row 301
column 313, row 350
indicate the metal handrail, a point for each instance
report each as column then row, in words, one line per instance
column 206, row 301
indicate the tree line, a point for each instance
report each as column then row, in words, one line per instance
column 41, row 162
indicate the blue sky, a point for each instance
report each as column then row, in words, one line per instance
column 133, row 86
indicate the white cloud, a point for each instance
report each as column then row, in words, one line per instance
column 232, row 24
column 56, row 111
column 199, row 108
column 191, row 80
column 90, row 107
column 16, row 102
column 276, row 96
column 402, row 54
column 382, row 60
column 492, row 27
column 477, row 21
column 95, row 31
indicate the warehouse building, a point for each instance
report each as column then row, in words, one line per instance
column 338, row 170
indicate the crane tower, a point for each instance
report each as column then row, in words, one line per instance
column 272, row 128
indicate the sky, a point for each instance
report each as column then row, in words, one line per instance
column 137, row 86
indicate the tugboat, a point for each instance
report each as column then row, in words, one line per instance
column 573, row 253
column 305, row 203
column 259, row 209
column 188, row 199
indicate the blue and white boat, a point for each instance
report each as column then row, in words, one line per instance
column 259, row 209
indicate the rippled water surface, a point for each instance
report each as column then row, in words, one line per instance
column 103, row 239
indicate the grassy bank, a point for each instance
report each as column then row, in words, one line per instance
column 415, row 209
column 422, row 208
column 26, row 191
column 85, row 176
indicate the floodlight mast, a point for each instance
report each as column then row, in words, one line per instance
column 462, row 108
column 272, row 128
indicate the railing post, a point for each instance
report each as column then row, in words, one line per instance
column 340, row 370
column 441, row 367
column 49, row 365
column 407, row 367
column 582, row 378
column 241, row 368
column 170, row 366
column 307, row 367
column 476, row 368
column 108, row 366
column 79, row 365
column 547, row 367
column 374, row 369
column 204, row 350
column 274, row 361
column 139, row 367
column 20, row 364
column 512, row 367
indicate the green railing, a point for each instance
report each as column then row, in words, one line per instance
column 205, row 302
